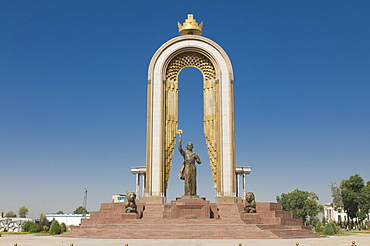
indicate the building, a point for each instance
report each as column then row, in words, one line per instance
column 335, row 216
column 68, row 219
column 118, row 197
column 332, row 215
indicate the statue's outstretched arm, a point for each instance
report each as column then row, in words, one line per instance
column 180, row 147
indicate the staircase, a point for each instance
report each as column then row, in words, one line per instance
column 154, row 221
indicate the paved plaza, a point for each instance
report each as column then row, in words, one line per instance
column 31, row 240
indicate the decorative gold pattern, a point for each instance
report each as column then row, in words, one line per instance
column 190, row 27
column 179, row 62
column 171, row 125
column 190, row 59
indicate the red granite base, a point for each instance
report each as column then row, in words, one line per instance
column 190, row 208
column 191, row 218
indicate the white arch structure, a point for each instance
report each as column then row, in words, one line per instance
column 162, row 115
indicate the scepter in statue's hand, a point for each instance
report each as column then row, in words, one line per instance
column 179, row 132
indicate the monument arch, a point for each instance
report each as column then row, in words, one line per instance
column 148, row 218
column 190, row 50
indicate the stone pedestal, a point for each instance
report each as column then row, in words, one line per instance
column 190, row 208
column 228, row 200
column 252, row 218
column 151, row 200
column 130, row 216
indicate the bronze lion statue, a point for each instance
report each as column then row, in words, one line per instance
column 249, row 203
column 130, row 204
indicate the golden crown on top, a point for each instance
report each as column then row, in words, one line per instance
column 190, row 26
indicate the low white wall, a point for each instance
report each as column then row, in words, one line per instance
column 12, row 224
column 68, row 219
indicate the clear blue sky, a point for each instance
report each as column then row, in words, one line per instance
column 73, row 85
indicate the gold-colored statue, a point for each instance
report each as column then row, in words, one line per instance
column 249, row 203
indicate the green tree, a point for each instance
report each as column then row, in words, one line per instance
column 80, row 210
column 34, row 228
column 324, row 220
column 340, row 224
column 27, row 225
column 312, row 221
column 364, row 203
column 319, row 227
column 63, row 227
column 43, row 220
column 302, row 204
column 10, row 214
column 329, row 229
column 335, row 229
column 60, row 212
column 350, row 192
column 55, row 228
column 336, row 194
column 23, row 211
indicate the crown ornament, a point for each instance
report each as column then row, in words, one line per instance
column 190, row 27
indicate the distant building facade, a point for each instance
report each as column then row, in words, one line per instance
column 332, row 215
column 68, row 219
column 119, row 198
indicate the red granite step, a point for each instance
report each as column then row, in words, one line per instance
column 153, row 211
column 192, row 230
column 171, row 221
column 189, row 229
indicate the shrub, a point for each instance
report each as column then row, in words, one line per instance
column 27, row 225
column 34, row 228
column 328, row 229
column 335, row 229
column 319, row 227
column 55, row 228
column 45, row 228
column 63, row 228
